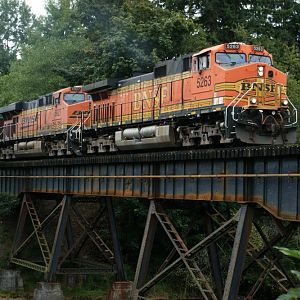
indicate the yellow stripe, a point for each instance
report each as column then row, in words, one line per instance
column 151, row 83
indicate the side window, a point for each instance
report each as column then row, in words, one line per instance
column 56, row 101
column 204, row 61
column 195, row 65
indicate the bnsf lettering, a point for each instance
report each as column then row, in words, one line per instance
column 150, row 99
column 79, row 112
column 245, row 86
column 29, row 119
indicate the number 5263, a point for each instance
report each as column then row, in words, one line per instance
column 204, row 81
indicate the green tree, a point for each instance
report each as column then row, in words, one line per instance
column 61, row 20
column 8, row 203
column 130, row 36
column 15, row 21
column 48, row 66
column 277, row 19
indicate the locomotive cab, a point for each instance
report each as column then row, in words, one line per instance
column 71, row 106
column 242, row 81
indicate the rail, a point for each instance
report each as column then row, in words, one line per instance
column 192, row 176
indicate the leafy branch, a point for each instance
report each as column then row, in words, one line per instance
column 292, row 294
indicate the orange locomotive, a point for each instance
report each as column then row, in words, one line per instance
column 230, row 92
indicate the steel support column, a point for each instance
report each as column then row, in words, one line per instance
column 20, row 225
column 69, row 234
column 146, row 248
column 239, row 252
column 121, row 276
column 58, row 240
column 213, row 255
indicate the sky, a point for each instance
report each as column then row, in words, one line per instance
column 37, row 6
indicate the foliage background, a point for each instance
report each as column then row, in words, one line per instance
column 82, row 41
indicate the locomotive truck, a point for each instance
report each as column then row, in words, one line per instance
column 226, row 94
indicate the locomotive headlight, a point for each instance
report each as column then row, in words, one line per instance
column 285, row 102
column 253, row 101
column 260, row 71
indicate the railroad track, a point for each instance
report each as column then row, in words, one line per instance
column 216, row 153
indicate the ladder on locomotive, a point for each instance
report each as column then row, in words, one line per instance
column 74, row 138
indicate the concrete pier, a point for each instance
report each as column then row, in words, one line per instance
column 121, row 290
column 48, row 291
column 10, row 280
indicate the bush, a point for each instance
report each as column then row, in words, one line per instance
column 292, row 294
column 7, row 204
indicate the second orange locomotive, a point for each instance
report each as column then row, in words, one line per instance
column 230, row 92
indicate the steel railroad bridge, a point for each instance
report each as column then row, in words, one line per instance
column 263, row 182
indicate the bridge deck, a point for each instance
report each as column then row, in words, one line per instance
column 268, row 176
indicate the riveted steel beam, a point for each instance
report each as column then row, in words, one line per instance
column 239, row 252
column 20, row 227
column 145, row 250
column 213, row 254
column 58, row 239
column 121, row 276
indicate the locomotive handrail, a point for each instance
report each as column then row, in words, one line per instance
column 88, row 117
column 70, row 130
column 80, row 124
column 229, row 105
column 226, row 110
column 233, row 114
column 295, row 111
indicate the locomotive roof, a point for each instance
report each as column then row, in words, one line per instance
column 164, row 68
column 105, row 84
column 215, row 48
column 16, row 106
column 221, row 47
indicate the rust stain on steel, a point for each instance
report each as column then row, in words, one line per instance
column 204, row 197
column 191, row 196
column 232, row 198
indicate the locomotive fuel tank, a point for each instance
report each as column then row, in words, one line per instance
column 146, row 137
column 31, row 148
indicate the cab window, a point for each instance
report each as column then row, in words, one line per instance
column 71, row 98
column 195, row 65
column 204, row 61
column 260, row 58
column 56, row 101
column 224, row 58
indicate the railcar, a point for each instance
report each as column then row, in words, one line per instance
column 221, row 95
